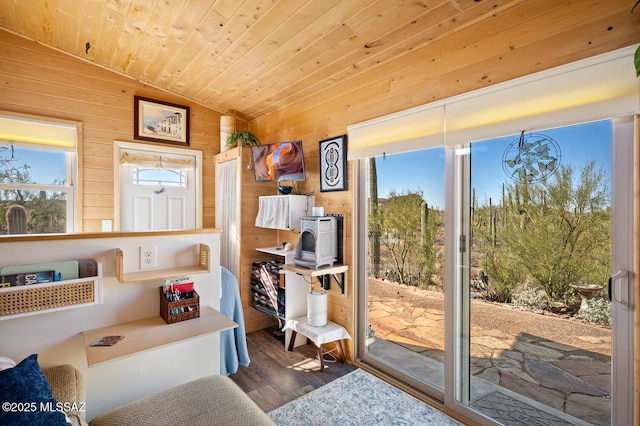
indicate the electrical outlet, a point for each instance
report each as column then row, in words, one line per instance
column 148, row 257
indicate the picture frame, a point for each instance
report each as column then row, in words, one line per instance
column 163, row 122
column 333, row 164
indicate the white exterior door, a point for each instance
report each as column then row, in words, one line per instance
column 158, row 190
column 155, row 206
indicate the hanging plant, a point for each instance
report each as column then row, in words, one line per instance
column 242, row 138
column 636, row 59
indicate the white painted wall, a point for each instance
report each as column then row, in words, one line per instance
column 56, row 337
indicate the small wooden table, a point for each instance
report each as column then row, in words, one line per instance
column 331, row 332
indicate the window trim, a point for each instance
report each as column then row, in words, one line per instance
column 622, row 407
column 74, row 174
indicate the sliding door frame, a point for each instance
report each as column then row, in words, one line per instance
column 456, row 357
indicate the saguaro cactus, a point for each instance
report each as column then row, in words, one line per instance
column 16, row 219
column 424, row 222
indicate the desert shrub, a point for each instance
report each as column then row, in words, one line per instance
column 504, row 275
column 554, row 232
column 598, row 311
column 530, row 298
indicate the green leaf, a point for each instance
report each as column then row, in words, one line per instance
column 636, row 59
column 244, row 138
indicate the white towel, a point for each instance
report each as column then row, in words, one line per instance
column 273, row 212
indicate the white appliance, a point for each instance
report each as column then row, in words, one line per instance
column 317, row 308
column 318, row 243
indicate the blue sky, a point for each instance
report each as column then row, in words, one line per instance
column 424, row 170
column 45, row 167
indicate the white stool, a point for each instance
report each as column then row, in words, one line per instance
column 331, row 332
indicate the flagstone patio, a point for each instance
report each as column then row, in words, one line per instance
column 549, row 360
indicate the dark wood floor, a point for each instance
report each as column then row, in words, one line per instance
column 276, row 376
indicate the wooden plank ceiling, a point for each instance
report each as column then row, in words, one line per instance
column 256, row 56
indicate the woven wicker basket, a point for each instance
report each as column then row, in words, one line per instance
column 37, row 298
column 180, row 310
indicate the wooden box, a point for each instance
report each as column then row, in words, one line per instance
column 180, row 310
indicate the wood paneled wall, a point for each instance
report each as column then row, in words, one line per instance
column 311, row 129
column 40, row 81
column 422, row 77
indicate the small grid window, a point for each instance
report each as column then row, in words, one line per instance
column 154, row 177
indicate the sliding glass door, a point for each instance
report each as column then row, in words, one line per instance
column 405, row 258
column 488, row 272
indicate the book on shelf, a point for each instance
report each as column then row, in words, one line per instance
column 87, row 268
column 64, row 270
column 27, row 278
column 19, row 275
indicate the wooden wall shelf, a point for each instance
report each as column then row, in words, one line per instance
column 323, row 270
column 323, row 274
column 204, row 266
column 151, row 333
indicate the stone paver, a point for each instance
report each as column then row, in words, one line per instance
column 594, row 409
column 552, row 377
column 538, row 352
column 584, row 367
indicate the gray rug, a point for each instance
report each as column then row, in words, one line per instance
column 358, row 398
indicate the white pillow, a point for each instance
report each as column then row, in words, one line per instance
column 6, row 363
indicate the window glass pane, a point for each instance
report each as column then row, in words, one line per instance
column 30, row 201
column 33, row 212
column 33, row 166
column 176, row 178
column 541, row 248
column 405, row 262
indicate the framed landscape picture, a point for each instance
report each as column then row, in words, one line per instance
column 333, row 164
column 157, row 121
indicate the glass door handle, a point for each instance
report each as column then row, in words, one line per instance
column 617, row 292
